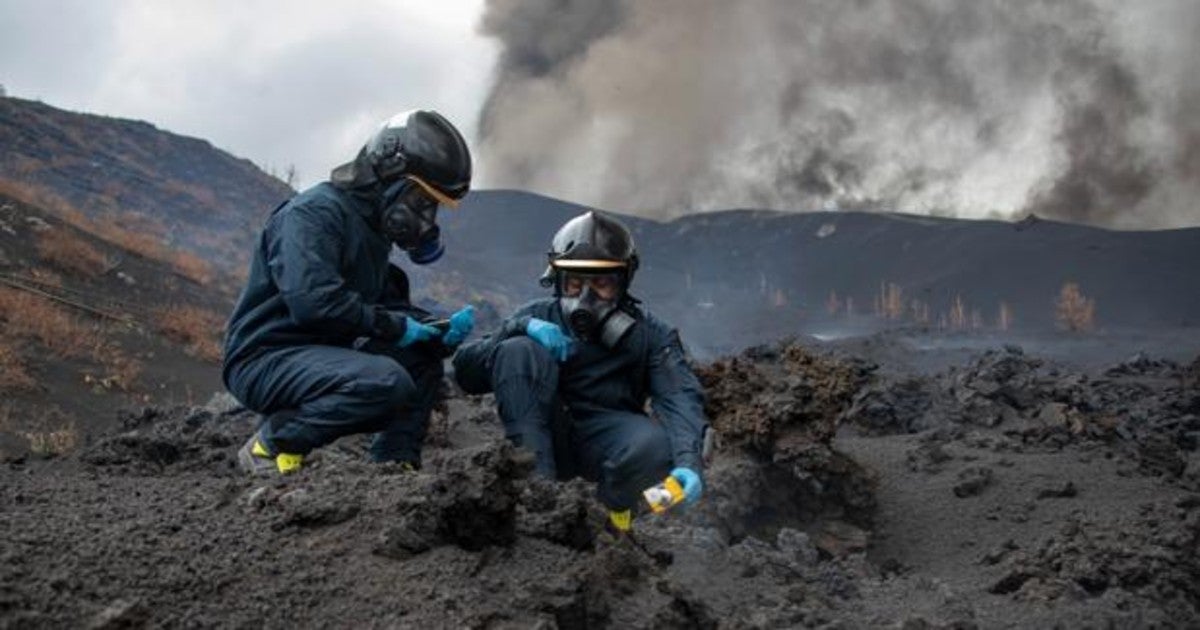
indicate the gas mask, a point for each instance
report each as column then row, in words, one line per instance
column 409, row 219
column 589, row 304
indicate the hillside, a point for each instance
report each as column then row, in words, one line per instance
column 736, row 278
column 182, row 191
column 88, row 327
column 729, row 279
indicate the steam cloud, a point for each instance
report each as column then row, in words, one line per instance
column 1083, row 110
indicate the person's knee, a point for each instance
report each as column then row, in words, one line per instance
column 522, row 356
column 647, row 453
column 400, row 388
column 642, row 459
column 382, row 382
column 243, row 383
column 522, row 349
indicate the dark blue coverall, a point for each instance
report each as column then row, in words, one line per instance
column 604, row 434
column 311, row 343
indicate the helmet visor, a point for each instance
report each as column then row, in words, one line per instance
column 435, row 194
column 587, row 264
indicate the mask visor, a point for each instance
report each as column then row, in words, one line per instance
column 602, row 286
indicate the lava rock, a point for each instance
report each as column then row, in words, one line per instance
column 972, row 481
column 120, row 614
column 563, row 513
column 840, row 539
column 797, row 546
column 1062, row 490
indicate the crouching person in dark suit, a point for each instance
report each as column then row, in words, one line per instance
column 324, row 341
column 595, row 351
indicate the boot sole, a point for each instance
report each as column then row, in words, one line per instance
column 252, row 464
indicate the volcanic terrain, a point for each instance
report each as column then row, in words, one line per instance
column 922, row 422
column 1006, row 491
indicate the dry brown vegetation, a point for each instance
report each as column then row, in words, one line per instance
column 146, row 242
column 13, row 374
column 120, row 371
column 199, row 329
column 71, row 253
column 1004, row 319
column 49, row 432
column 149, row 245
column 45, row 277
column 192, row 267
column 61, row 333
column 919, row 312
column 958, row 314
column 1073, row 310
column 36, row 196
column 890, row 303
column 58, row 441
column 29, row 315
column 833, row 304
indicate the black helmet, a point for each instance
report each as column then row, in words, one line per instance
column 593, row 245
column 419, row 145
column 592, row 241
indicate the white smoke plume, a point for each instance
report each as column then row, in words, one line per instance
column 1082, row 110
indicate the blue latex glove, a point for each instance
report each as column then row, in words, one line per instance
column 415, row 331
column 461, row 325
column 551, row 337
column 692, row 486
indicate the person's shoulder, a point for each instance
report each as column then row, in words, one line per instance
column 322, row 203
column 323, row 195
column 657, row 331
column 647, row 317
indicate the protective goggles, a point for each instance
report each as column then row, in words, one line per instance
column 410, row 193
column 438, row 196
column 604, row 285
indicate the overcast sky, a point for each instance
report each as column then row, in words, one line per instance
column 1080, row 110
column 299, row 82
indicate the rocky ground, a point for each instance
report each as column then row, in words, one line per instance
column 1003, row 491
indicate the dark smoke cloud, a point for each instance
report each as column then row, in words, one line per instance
column 1084, row 110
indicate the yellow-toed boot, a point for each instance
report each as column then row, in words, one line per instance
column 256, row 459
column 620, row 521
